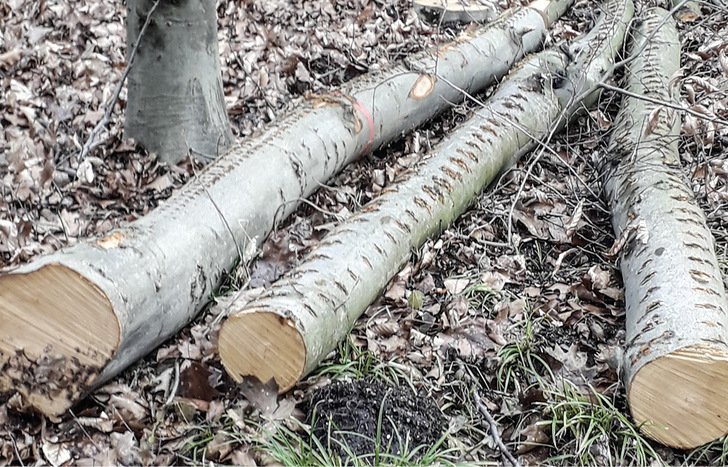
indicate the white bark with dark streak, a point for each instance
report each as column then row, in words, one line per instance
column 676, row 357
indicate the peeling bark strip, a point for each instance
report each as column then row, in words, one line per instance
column 676, row 356
column 95, row 308
column 285, row 333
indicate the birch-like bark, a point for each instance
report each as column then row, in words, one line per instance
column 286, row 332
column 73, row 319
column 676, row 355
column 175, row 100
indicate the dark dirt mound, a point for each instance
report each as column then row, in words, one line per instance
column 346, row 414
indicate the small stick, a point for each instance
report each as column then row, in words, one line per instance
column 488, row 417
column 493, row 429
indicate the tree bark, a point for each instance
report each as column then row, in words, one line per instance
column 287, row 331
column 140, row 284
column 175, row 100
column 676, row 356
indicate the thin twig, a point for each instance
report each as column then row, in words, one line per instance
column 488, row 417
column 241, row 257
column 543, row 143
column 175, row 384
column 84, row 430
column 93, row 142
column 652, row 100
column 15, row 447
column 493, row 428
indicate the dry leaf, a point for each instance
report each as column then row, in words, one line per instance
column 599, row 278
column 56, row 453
column 262, row 396
column 572, row 224
column 652, row 121
column 456, row 286
column 494, row 280
column 194, row 383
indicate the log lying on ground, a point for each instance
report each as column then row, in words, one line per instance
column 676, row 356
column 457, row 11
column 298, row 320
column 73, row 319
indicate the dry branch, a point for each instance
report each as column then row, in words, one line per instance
column 287, row 331
column 73, row 319
column 676, row 357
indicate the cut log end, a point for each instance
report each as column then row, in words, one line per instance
column 679, row 399
column 57, row 331
column 264, row 345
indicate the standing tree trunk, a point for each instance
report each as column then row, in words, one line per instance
column 175, row 101
column 108, row 301
column 676, row 356
column 286, row 332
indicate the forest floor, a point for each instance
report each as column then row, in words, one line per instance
column 512, row 313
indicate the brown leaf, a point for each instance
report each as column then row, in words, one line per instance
column 495, row 280
column 126, row 447
column 243, row 458
column 455, row 311
column 652, row 121
column 456, row 286
column 572, row 224
column 534, row 435
column 396, row 290
column 10, row 58
column 160, row 183
column 128, row 409
column 56, row 453
column 262, row 396
column 573, row 364
column 102, row 423
column 194, row 383
column 599, row 278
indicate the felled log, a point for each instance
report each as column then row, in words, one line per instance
column 71, row 320
column 676, row 355
column 457, row 11
column 287, row 331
